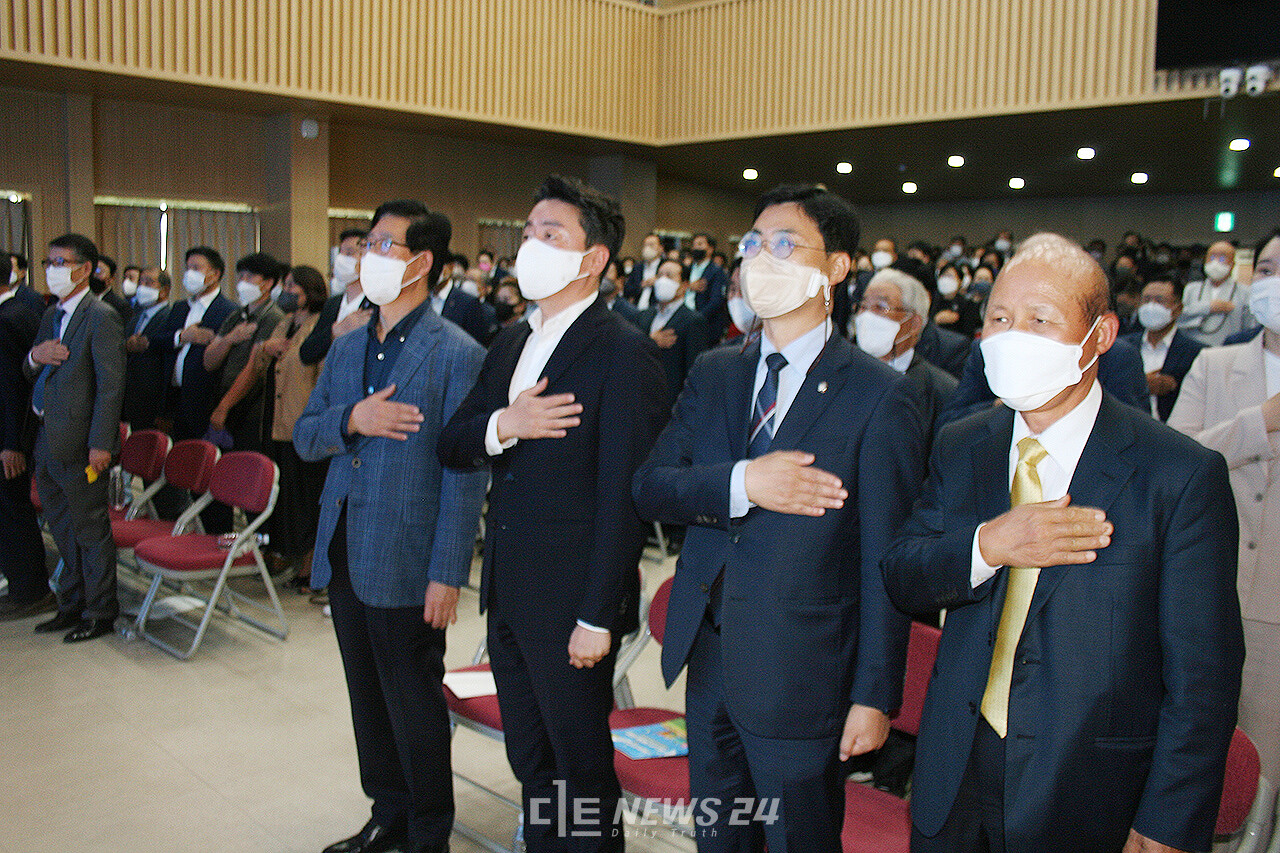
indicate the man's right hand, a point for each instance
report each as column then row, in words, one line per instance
column 665, row 338
column 1052, row 533
column 198, row 335
column 533, row 416
column 351, row 322
column 14, row 463
column 1160, row 384
column 785, row 481
column 1221, row 306
column 378, row 417
column 137, row 343
column 50, row 352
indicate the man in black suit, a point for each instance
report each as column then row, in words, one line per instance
column 150, row 362
column 792, row 459
column 1086, row 705
column 1167, row 351
column 77, row 371
column 192, row 325
column 22, row 287
column 679, row 332
column 640, row 279
column 566, row 407
column 451, row 302
column 613, row 299
column 103, row 286
column 709, row 284
column 23, row 562
column 347, row 309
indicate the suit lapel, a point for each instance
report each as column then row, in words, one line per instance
column 991, row 466
column 580, row 333
column 77, row 318
column 738, row 387
column 506, row 358
column 829, row 374
column 420, row 340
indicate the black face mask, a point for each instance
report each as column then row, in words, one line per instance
column 698, row 255
column 287, row 301
column 503, row 311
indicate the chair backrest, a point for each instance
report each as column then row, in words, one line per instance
column 244, row 479
column 189, row 465
column 658, row 610
column 1240, row 786
column 922, row 652
column 143, row 454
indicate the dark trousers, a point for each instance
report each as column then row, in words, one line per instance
column 394, row 663
column 976, row 822
column 555, row 720
column 786, row 792
column 76, row 512
column 23, row 559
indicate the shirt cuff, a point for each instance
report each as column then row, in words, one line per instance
column 491, row 444
column 177, row 344
column 31, row 361
column 980, row 571
column 591, row 627
column 739, row 503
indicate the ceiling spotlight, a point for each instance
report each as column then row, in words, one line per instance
column 909, row 187
column 955, row 161
column 1016, row 183
column 844, row 168
column 1085, row 153
column 1139, row 177
column 1276, row 173
column 750, row 174
column 1240, row 144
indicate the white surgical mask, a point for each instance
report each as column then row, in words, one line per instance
column 1217, row 270
column 880, row 260
column 741, row 314
column 650, row 254
column 1026, row 371
column 776, row 286
column 948, row 285
column 382, row 278
column 1003, row 246
column 344, row 272
column 129, row 287
column 664, row 288
column 146, row 296
column 1264, row 301
column 276, row 291
column 59, row 281
column 193, row 282
column 247, row 292
column 876, row 334
column 1153, row 315
column 543, row 270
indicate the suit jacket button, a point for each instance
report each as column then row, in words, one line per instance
column 1253, row 545
column 355, row 463
column 735, row 537
column 1258, row 497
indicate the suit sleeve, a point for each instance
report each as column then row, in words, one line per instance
column 669, row 487
column 631, row 413
column 1126, row 380
column 695, row 342
column 107, row 344
column 316, row 346
column 1241, row 439
column 45, row 332
column 1202, row 645
column 318, row 433
column 461, row 443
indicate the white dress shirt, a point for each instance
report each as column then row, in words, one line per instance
column 437, row 299
column 696, row 271
column 901, row 362
column 347, row 307
column 646, row 291
column 800, row 355
column 144, row 317
column 1271, row 365
column 1063, row 442
column 664, row 315
column 7, row 295
column 68, row 308
column 1153, row 356
column 195, row 313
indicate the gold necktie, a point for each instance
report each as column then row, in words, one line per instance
column 1017, row 601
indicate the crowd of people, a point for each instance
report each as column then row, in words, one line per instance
column 847, row 439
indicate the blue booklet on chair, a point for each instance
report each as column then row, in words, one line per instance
column 656, row 740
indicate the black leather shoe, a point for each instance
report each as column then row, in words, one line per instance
column 87, row 629
column 372, row 839
column 61, row 622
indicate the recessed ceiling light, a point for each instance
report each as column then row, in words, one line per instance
column 1240, row 144
column 1139, row 177
column 909, row 187
column 1276, row 173
column 955, row 161
column 1016, row 183
column 750, row 174
column 1085, row 153
column 844, row 168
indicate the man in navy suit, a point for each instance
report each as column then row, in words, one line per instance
column 451, row 302
column 149, row 363
column 1084, row 703
column 679, row 332
column 22, row 287
column 192, row 325
column 792, row 459
column 709, row 285
column 396, row 530
column 566, row 407
column 1167, row 351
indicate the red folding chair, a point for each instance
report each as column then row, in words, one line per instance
column 876, row 821
column 187, row 465
column 1248, row 801
column 142, row 455
column 245, row 480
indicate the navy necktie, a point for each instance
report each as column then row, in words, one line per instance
column 763, row 421
column 37, row 393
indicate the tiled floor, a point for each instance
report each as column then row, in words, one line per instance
column 113, row 745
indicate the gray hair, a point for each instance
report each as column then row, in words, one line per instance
column 914, row 297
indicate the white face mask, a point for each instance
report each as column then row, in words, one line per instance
column 650, row 254
column 247, row 292
column 775, row 286
column 1264, row 301
column 876, row 334
column 128, row 287
column 193, row 282
column 664, row 288
column 1217, row 270
column 382, row 278
column 543, row 270
column 880, row 260
column 1026, row 371
column 1153, row 315
column 59, row 281
column 1003, row 246
column 948, row 285
column 344, row 272
column 147, row 296
column 741, row 314
column 275, row 292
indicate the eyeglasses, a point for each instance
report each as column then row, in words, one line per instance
column 779, row 245
column 381, row 246
column 880, row 306
column 59, row 262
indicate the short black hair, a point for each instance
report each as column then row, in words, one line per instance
column 84, row 248
column 488, row 252
column 19, row 260
column 109, row 261
column 260, row 263
column 428, row 231
column 598, row 214
column 132, row 267
column 462, row 261
column 348, row 233
column 918, row 270
column 835, row 217
column 711, row 241
column 313, row 286
column 1273, row 234
column 210, row 255
column 162, row 277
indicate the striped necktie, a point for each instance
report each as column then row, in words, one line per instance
column 37, row 392
column 763, row 422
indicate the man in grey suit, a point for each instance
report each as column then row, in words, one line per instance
column 396, row 530
column 77, row 367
